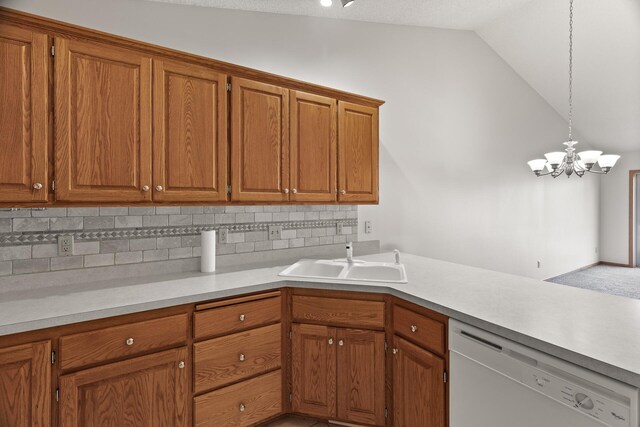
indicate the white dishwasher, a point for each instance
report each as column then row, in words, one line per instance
column 495, row 382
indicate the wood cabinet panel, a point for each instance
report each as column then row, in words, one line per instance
column 418, row 386
column 148, row 391
column 426, row 332
column 103, row 123
column 313, row 370
column 244, row 404
column 259, row 141
column 89, row 348
column 24, row 103
column 190, row 133
column 361, row 378
column 25, row 385
column 237, row 317
column 313, row 156
column 231, row 358
column 338, row 311
column 357, row 153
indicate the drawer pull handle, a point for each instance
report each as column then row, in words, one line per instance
column 181, row 365
column 242, row 317
column 340, row 343
column 129, row 341
column 242, row 407
column 37, row 186
column 242, row 357
column 330, row 341
column 414, row 328
column 395, row 351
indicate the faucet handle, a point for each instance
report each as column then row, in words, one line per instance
column 397, row 255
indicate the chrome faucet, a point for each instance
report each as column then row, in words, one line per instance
column 397, row 254
column 349, row 248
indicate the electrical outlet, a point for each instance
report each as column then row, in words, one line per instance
column 368, row 227
column 275, row 232
column 223, row 235
column 65, row 245
column 539, row 264
column 339, row 228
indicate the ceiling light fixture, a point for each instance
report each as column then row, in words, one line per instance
column 326, row 3
column 568, row 161
column 347, row 3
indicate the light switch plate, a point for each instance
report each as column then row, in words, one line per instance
column 65, row 245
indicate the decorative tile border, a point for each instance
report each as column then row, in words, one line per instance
column 30, row 238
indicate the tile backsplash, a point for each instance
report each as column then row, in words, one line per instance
column 127, row 235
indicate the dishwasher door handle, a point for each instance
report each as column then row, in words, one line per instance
column 479, row 340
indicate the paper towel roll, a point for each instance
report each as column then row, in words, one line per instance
column 208, row 257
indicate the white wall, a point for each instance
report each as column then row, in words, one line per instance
column 614, row 210
column 458, row 126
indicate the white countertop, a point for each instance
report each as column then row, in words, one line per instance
column 594, row 330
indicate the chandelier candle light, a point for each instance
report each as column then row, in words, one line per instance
column 568, row 161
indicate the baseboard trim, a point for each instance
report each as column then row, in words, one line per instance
column 614, row 264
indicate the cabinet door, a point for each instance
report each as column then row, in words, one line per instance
column 24, row 103
column 25, row 385
column 190, row 133
column 361, row 376
column 259, row 142
column 149, row 391
column 313, row 159
column 313, row 370
column 418, row 386
column 103, row 123
column 357, row 153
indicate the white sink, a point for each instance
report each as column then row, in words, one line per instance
column 343, row 270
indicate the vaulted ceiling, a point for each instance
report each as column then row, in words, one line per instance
column 530, row 35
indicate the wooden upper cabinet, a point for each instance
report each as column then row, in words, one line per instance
column 25, row 385
column 24, row 102
column 313, row 370
column 190, row 133
column 102, row 123
column 418, row 386
column 361, row 376
column 357, row 153
column 147, row 391
column 313, row 157
column 259, row 142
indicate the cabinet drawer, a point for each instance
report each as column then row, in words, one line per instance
column 340, row 312
column 245, row 404
column 237, row 317
column 420, row 329
column 102, row 345
column 231, row 358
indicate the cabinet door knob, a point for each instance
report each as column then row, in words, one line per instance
column 294, row 191
column 159, row 188
column 286, row 191
column 129, row 341
column 242, row 357
column 145, row 188
column 414, row 328
column 330, row 341
column 181, row 365
column 242, row 407
column 340, row 343
column 241, row 317
column 343, row 191
column 395, row 351
column 37, row 186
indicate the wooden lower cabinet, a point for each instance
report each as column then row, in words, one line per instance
column 338, row 373
column 25, row 385
column 418, row 386
column 148, row 391
column 247, row 403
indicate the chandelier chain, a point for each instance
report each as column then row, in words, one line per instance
column 570, row 69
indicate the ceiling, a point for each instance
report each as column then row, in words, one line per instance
column 530, row 35
column 455, row 14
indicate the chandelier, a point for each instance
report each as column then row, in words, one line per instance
column 568, row 161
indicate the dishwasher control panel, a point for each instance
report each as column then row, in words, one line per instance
column 606, row 410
